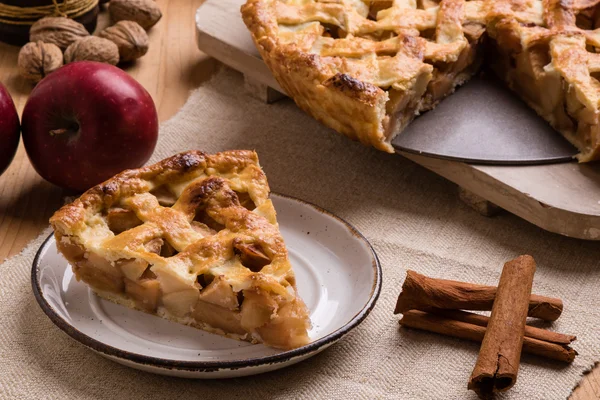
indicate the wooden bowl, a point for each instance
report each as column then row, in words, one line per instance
column 19, row 34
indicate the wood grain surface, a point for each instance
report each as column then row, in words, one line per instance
column 172, row 67
column 589, row 387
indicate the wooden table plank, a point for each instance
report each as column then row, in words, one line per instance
column 172, row 67
column 589, row 387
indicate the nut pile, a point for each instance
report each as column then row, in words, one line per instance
column 124, row 41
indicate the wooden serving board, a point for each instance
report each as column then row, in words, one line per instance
column 561, row 198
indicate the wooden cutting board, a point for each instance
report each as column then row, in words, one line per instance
column 561, row 198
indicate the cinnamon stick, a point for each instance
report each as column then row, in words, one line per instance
column 498, row 362
column 530, row 331
column 464, row 325
column 423, row 293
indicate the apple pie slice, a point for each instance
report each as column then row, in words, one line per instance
column 193, row 239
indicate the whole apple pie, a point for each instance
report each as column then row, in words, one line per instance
column 367, row 68
column 194, row 239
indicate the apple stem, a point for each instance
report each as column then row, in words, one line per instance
column 60, row 131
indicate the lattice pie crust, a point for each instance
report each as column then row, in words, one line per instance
column 367, row 68
column 194, row 239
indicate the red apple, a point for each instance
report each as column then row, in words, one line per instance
column 9, row 129
column 87, row 121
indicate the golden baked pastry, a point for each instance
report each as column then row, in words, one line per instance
column 194, row 239
column 367, row 68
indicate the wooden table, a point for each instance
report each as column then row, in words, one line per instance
column 170, row 70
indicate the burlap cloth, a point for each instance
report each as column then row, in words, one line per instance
column 412, row 217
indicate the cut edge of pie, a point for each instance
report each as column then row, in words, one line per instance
column 367, row 68
column 351, row 84
column 193, row 239
column 555, row 74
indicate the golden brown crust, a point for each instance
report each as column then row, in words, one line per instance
column 204, row 245
column 366, row 68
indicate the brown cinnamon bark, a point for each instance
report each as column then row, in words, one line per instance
column 423, row 293
column 472, row 327
column 530, row 331
column 498, row 362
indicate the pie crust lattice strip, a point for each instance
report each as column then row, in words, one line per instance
column 194, row 239
column 367, row 68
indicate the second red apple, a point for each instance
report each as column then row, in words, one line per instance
column 9, row 129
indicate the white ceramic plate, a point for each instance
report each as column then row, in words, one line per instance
column 338, row 276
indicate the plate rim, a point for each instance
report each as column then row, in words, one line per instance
column 214, row 366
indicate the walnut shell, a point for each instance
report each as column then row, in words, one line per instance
column 130, row 38
column 144, row 12
column 38, row 59
column 93, row 48
column 57, row 30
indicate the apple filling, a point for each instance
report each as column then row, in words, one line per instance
column 99, row 273
column 448, row 76
column 120, row 220
column 251, row 255
column 145, row 293
column 402, row 107
column 132, row 277
column 216, row 307
column 430, row 88
column 164, row 195
column 531, row 74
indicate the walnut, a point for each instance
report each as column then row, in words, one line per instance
column 38, row 59
column 130, row 38
column 57, row 30
column 144, row 12
column 93, row 48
